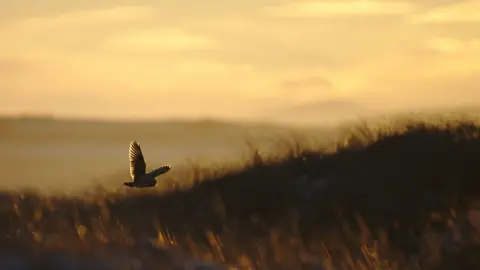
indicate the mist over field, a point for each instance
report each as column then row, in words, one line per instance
column 68, row 155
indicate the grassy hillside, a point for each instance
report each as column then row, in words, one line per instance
column 395, row 197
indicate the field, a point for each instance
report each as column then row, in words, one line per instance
column 403, row 195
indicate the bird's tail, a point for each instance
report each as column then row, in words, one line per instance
column 129, row 184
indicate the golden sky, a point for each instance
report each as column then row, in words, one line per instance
column 249, row 58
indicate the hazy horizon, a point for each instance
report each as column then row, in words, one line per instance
column 267, row 60
column 68, row 155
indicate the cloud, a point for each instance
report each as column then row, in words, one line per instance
column 325, row 111
column 452, row 45
column 159, row 39
column 82, row 18
column 307, row 83
column 14, row 66
column 319, row 9
column 78, row 30
column 431, row 93
column 411, row 81
column 326, row 106
column 462, row 12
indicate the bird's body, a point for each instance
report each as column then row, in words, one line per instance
column 140, row 178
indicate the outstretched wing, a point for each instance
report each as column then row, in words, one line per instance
column 161, row 170
column 137, row 163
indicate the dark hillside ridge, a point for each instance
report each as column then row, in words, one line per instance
column 382, row 195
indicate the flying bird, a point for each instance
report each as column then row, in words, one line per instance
column 140, row 178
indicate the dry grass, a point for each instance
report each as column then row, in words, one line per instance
column 396, row 197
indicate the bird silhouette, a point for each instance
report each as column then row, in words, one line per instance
column 140, row 178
